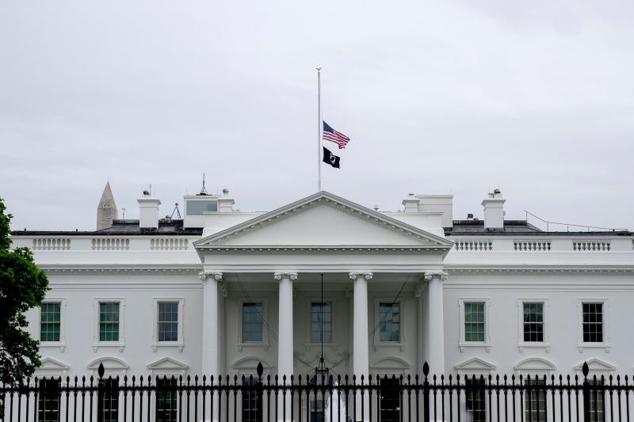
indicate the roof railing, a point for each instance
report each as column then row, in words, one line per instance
column 583, row 227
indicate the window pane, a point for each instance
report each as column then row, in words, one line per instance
column 168, row 321
column 535, row 401
column 108, row 405
column 474, row 321
column 597, row 400
column 533, row 322
column 593, row 322
column 321, row 317
column 252, row 322
column 50, row 321
column 476, row 398
column 390, row 322
column 201, row 207
column 166, row 400
column 109, row 321
column 48, row 400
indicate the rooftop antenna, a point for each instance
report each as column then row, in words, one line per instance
column 176, row 211
column 123, row 210
column 150, row 189
column 203, row 189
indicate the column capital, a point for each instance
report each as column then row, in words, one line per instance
column 280, row 275
column 437, row 275
column 206, row 275
column 357, row 274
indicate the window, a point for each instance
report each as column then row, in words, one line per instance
column 533, row 322
column 474, row 322
column 166, row 405
column 390, row 400
column 475, row 398
column 50, row 321
column 109, row 321
column 535, row 400
column 167, row 321
column 252, row 322
column 321, row 322
column 597, row 401
column 390, row 322
column 317, row 410
column 201, row 207
column 251, row 400
column 593, row 322
column 48, row 400
column 108, row 406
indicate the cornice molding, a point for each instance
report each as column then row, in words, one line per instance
column 118, row 269
column 311, row 248
column 534, row 269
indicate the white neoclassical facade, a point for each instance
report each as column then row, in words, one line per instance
column 221, row 290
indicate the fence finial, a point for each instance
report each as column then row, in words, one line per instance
column 425, row 369
column 101, row 370
column 260, row 369
column 585, row 369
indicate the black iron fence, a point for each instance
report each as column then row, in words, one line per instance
column 321, row 398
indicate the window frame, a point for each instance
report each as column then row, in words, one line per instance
column 97, row 343
column 179, row 343
column 61, row 344
column 605, row 344
column 42, row 397
column 262, row 322
column 310, row 321
column 521, row 344
column 486, row 344
column 377, row 319
column 536, row 379
column 265, row 317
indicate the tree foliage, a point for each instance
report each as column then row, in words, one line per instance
column 22, row 286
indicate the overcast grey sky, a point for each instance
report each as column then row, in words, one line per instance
column 536, row 98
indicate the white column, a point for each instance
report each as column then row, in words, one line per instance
column 360, row 343
column 211, row 326
column 285, row 338
column 435, row 341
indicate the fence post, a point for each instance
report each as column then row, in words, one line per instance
column 426, row 393
column 100, row 396
column 586, row 392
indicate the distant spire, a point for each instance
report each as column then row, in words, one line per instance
column 203, row 189
column 107, row 209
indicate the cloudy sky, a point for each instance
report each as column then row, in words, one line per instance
column 536, row 98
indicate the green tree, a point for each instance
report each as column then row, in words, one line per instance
column 22, row 286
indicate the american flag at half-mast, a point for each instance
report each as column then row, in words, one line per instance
column 329, row 134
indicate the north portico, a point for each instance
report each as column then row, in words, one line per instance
column 369, row 261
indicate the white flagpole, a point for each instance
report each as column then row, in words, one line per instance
column 319, row 128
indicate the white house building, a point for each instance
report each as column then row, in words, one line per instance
column 221, row 290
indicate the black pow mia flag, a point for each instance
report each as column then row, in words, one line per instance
column 330, row 158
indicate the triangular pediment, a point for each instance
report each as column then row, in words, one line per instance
column 167, row 363
column 52, row 364
column 323, row 220
column 475, row 364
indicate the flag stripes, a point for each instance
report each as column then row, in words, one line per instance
column 329, row 134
